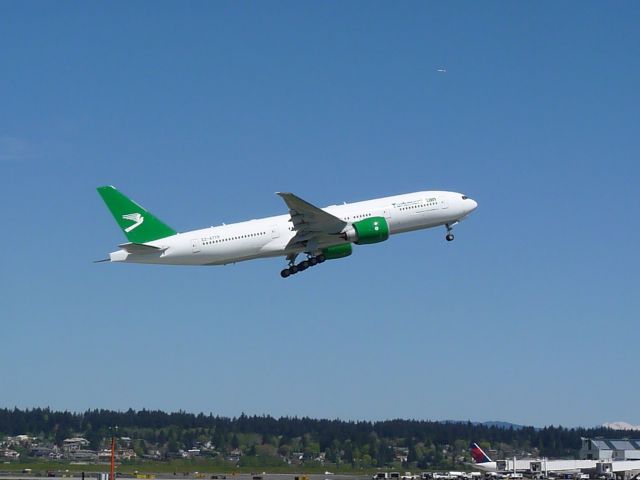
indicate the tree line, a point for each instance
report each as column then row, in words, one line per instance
column 367, row 443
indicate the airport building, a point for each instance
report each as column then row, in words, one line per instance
column 610, row 449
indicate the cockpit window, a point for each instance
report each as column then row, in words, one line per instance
column 464, row 197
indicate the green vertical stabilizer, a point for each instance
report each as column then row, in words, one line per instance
column 138, row 225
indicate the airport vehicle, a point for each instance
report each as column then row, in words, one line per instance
column 409, row 476
column 319, row 233
column 618, row 469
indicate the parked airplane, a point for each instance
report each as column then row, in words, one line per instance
column 320, row 234
column 482, row 459
column 532, row 466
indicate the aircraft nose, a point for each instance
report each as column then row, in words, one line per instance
column 468, row 205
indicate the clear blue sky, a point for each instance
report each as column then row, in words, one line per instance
column 200, row 111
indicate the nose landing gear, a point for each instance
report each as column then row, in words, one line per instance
column 302, row 266
column 449, row 237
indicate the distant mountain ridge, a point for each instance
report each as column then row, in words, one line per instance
column 492, row 423
column 621, row 426
column 505, row 425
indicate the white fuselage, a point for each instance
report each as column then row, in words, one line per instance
column 270, row 236
column 542, row 465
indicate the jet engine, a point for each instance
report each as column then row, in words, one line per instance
column 337, row 251
column 369, row 230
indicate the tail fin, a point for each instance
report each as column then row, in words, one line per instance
column 138, row 225
column 478, row 454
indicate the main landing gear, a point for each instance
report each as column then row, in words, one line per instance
column 302, row 266
column 449, row 236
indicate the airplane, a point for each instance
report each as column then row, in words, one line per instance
column 319, row 233
column 532, row 466
column 483, row 462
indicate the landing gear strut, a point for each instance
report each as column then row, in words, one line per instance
column 302, row 266
column 449, row 237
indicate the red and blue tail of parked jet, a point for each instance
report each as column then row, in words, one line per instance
column 478, row 454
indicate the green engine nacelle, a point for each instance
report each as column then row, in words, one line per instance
column 369, row 230
column 337, row 251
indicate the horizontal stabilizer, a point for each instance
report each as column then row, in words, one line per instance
column 140, row 248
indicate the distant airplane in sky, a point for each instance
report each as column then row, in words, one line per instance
column 442, row 70
column 320, row 234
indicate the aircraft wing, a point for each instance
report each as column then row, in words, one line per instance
column 310, row 221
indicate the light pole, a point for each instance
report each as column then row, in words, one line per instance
column 112, row 471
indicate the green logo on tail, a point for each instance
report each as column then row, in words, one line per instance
column 134, row 217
